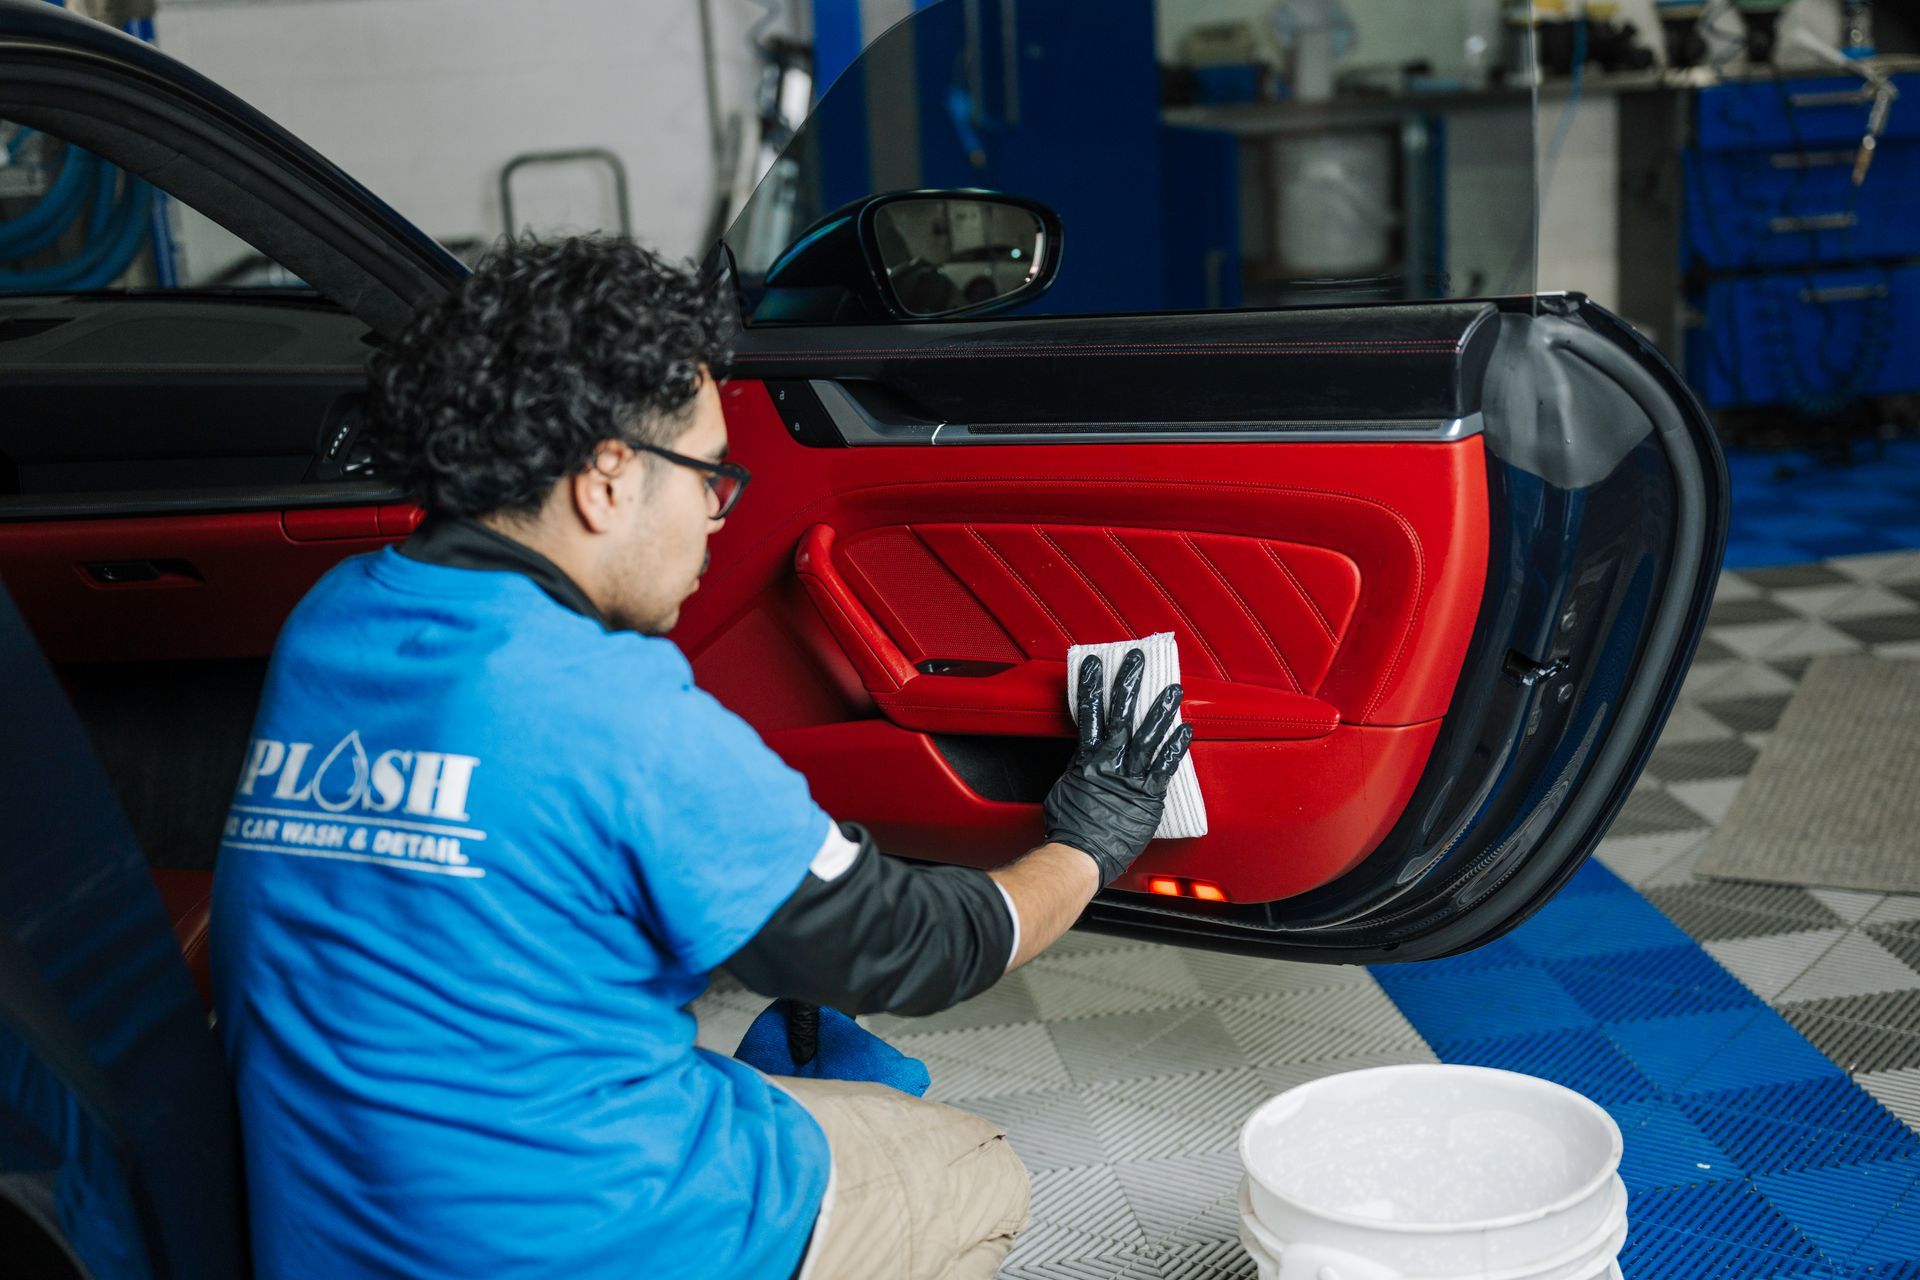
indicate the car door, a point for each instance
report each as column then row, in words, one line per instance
column 1435, row 564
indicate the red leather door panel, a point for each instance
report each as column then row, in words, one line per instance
column 1323, row 595
column 222, row 584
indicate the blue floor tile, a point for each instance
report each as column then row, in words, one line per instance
column 1809, row 1125
column 1481, row 1003
column 1722, row 1229
column 1859, row 1214
column 1583, row 1060
column 1663, row 1148
column 1659, row 982
column 1709, row 1052
column 1597, row 925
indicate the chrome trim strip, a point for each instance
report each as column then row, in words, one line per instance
column 859, row 427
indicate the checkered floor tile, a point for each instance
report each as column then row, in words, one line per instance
column 1759, row 1044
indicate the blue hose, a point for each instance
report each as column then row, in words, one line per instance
column 119, row 216
column 102, row 261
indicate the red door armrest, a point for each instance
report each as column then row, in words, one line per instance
column 1029, row 699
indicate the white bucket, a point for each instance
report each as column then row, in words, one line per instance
column 1432, row 1171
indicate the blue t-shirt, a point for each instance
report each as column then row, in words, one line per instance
column 482, row 855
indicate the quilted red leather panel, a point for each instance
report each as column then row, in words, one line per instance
column 918, row 600
column 1241, row 606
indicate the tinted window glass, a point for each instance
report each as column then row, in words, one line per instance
column 1201, row 154
column 70, row 222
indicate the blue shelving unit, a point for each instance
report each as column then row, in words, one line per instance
column 1800, row 282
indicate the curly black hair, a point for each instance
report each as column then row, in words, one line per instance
column 494, row 395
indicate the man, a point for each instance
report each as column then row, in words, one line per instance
column 489, row 842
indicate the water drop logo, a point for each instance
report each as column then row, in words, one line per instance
column 342, row 775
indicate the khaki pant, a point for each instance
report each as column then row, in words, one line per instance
column 920, row 1190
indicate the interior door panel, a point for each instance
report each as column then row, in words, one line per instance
column 1323, row 596
column 144, row 588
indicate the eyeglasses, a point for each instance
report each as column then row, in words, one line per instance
column 726, row 481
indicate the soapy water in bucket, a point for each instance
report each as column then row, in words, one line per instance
column 1459, row 1168
column 1435, row 1170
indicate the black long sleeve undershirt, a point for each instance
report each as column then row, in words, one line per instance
column 883, row 936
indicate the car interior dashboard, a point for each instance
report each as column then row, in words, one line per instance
column 128, row 404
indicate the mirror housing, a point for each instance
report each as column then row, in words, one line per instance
column 901, row 257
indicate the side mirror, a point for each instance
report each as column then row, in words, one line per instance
column 916, row 255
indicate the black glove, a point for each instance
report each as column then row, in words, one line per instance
column 1108, row 803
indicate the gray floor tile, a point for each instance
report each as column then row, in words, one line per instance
column 1855, row 966
column 1882, row 566
column 1637, row 859
column 1077, row 1213
column 1191, row 1113
column 1216, row 1260
column 1888, row 629
column 1005, row 1003
column 1770, row 963
column 1730, row 757
column 1051, row 1128
column 1794, row 669
column 1862, row 1033
column 1811, row 640
column 1756, row 713
column 1761, row 640
column 1225, row 977
column 1316, row 1026
column 1133, row 1264
column 1873, row 600
column 985, row 1061
column 1711, row 910
column 1897, row 1091
column 1129, row 1046
column 1116, row 982
column 1681, row 870
column 1712, row 650
column 1775, row 578
column 1688, row 723
column 1851, row 905
column 1652, row 811
column 1895, row 908
column 1288, row 1074
column 1185, row 1201
column 1900, row 938
column 1737, row 613
column 1710, row 799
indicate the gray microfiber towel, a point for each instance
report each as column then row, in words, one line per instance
column 1186, row 813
